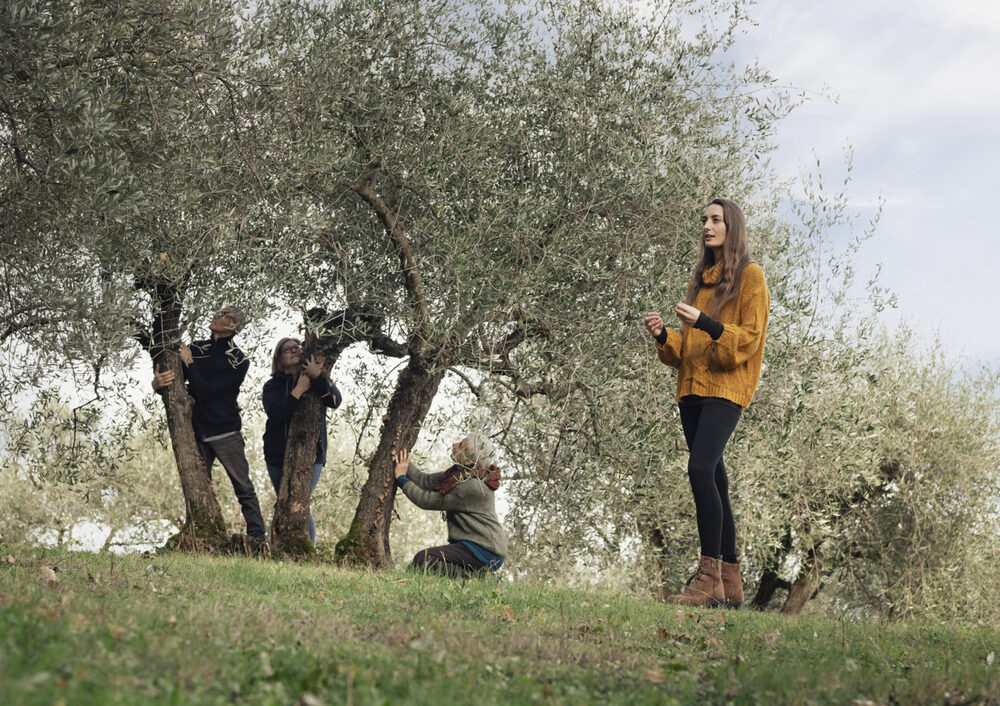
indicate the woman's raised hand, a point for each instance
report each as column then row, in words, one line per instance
column 654, row 323
column 402, row 459
column 312, row 368
column 687, row 313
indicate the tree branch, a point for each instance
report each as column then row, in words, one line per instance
column 365, row 188
column 475, row 389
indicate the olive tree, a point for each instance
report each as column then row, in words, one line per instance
column 131, row 198
column 495, row 186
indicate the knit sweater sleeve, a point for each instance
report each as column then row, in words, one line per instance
column 427, row 481
column 740, row 341
column 670, row 350
column 433, row 500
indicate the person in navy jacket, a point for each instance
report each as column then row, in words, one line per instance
column 214, row 370
column 290, row 379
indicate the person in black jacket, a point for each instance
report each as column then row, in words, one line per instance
column 214, row 370
column 290, row 379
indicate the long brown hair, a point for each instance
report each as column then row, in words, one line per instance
column 735, row 256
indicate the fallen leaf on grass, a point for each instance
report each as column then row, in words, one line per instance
column 49, row 576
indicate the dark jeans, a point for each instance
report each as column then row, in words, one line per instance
column 229, row 450
column 707, row 428
column 455, row 560
column 275, row 473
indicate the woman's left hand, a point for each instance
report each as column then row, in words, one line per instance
column 402, row 459
column 312, row 368
column 687, row 313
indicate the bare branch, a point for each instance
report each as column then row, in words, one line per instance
column 365, row 188
column 474, row 388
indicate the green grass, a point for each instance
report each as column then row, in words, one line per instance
column 180, row 629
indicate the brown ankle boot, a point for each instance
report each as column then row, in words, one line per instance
column 732, row 584
column 705, row 588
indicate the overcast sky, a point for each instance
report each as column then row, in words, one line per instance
column 918, row 96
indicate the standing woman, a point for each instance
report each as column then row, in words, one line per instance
column 717, row 353
column 289, row 381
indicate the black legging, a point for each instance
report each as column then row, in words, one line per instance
column 708, row 423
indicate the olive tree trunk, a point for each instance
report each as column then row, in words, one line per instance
column 367, row 540
column 204, row 528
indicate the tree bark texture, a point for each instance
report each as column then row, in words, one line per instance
column 204, row 527
column 290, row 526
column 769, row 581
column 804, row 587
column 657, row 542
column 367, row 540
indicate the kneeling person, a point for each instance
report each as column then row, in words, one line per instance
column 476, row 540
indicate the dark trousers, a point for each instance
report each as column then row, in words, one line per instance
column 707, row 428
column 229, row 450
column 455, row 560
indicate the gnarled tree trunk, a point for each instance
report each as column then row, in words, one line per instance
column 367, row 540
column 804, row 587
column 290, row 526
column 204, row 527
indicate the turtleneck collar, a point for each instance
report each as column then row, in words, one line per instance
column 711, row 274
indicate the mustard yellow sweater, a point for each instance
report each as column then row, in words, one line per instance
column 730, row 366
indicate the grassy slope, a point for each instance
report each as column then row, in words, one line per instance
column 177, row 629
